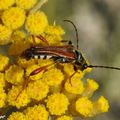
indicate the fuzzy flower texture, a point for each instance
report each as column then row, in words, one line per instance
column 40, row 88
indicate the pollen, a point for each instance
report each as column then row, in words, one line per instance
column 74, row 85
column 17, row 116
column 13, row 17
column 37, row 112
column 4, row 61
column 14, row 75
column 84, row 106
column 5, row 4
column 5, row 34
column 57, row 103
column 65, row 117
column 37, row 90
column 36, row 23
column 2, row 97
column 53, row 77
column 17, row 96
column 26, row 4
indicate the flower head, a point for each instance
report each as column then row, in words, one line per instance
column 18, row 36
column 37, row 90
column 13, row 17
column 5, row 34
column 37, row 112
column 17, row 96
column 36, row 23
column 17, row 116
column 84, row 106
column 4, row 4
column 14, row 75
column 26, row 4
column 57, row 104
column 53, row 77
column 101, row 105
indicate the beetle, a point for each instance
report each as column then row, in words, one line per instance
column 60, row 54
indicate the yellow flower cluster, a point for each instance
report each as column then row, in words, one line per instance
column 40, row 88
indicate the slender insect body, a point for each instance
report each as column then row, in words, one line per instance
column 58, row 55
column 61, row 54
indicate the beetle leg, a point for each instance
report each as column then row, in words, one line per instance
column 27, row 80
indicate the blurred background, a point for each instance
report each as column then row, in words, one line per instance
column 98, row 24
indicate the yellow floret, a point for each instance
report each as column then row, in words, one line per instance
column 54, row 39
column 16, row 116
column 37, row 90
column 4, row 4
column 18, row 47
column 53, row 77
column 17, row 96
column 65, row 117
column 74, row 85
column 26, row 4
column 24, row 63
column 5, row 34
column 17, row 36
column 2, row 80
column 4, row 61
column 32, row 68
column 13, row 17
column 90, row 87
column 2, row 97
column 38, row 112
column 36, row 23
column 68, row 69
column 101, row 105
column 57, row 104
column 14, row 75
column 84, row 106
column 54, row 30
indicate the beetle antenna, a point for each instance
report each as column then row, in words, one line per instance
column 107, row 67
column 76, row 31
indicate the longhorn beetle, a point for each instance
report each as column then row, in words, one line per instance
column 61, row 54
